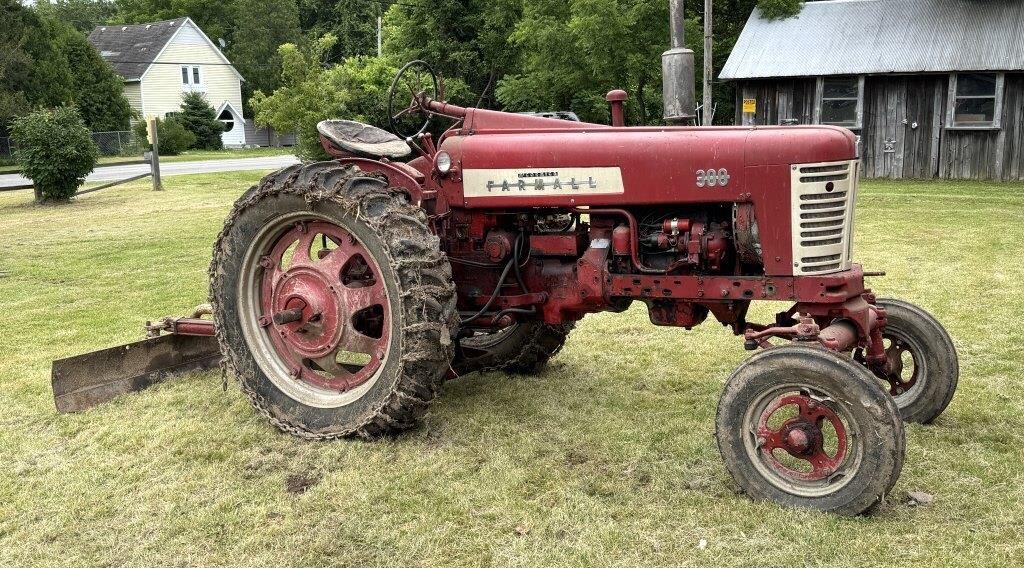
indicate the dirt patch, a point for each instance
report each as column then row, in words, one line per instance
column 299, row 483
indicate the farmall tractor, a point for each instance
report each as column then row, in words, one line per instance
column 345, row 292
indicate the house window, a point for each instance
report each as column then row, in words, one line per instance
column 190, row 75
column 228, row 119
column 840, row 101
column 975, row 100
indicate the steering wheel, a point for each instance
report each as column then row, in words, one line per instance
column 414, row 79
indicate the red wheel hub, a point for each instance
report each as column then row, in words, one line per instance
column 324, row 305
column 801, row 437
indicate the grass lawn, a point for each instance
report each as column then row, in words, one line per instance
column 607, row 459
column 7, row 166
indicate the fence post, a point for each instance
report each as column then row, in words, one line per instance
column 154, row 156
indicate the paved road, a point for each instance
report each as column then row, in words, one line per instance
column 112, row 173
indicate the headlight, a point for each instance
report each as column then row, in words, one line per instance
column 443, row 162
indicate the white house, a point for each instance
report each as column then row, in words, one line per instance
column 163, row 60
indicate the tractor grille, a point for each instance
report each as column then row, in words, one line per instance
column 823, row 199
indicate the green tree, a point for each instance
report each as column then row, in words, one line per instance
column 353, row 22
column 173, row 136
column 574, row 52
column 303, row 99
column 260, row 27
column 98, row 91
column 571, row 53
column 199, row 118
column 45, row 62
column 354, row 90
column 213, row 16
column 84, row 15
column 467, row 40
column 55, row 151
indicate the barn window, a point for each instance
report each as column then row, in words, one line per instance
column 839, row 101
column 975, row 100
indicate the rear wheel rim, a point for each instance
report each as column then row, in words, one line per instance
column 802, row 441
column 315, row 310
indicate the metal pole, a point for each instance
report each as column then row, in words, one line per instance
column 677, row 23
column 379, row 34
column 708, row 113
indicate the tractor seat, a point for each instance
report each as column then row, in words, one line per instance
column 363, row 140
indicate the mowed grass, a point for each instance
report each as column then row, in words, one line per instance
column 607, row 459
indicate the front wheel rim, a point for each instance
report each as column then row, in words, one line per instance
column 315, row 310
column 814, row 452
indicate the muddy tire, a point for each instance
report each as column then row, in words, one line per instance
column 924, row 361
column 521, row 349
column 347, row 330
column 805, row 427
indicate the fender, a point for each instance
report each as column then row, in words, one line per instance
column 399, row 174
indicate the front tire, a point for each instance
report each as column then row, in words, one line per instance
column 334, row 305
column 923, row 364
column 805, row 427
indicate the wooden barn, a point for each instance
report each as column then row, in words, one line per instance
column 933, row 88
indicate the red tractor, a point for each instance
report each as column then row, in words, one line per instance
column 345, row 292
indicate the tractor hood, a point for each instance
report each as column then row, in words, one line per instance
column 554, row 163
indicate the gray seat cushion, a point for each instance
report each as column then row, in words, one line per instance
column 363, row 140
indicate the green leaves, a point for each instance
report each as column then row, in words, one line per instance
column 55, row 151
column 46, row 62
column 355, row 89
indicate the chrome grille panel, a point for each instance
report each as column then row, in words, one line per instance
column 822, row 218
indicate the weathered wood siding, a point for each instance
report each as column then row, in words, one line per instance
column 902, row 121
column 778, row 100
column 890, row 144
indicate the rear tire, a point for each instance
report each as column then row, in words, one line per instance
column 392, row 302
column 521, row 349
column 927, row 368
column 840, row 451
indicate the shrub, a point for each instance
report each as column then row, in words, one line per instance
column 201, row 120
column 55, row 151
column 173, row 136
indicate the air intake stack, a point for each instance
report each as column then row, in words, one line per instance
column 677, row 67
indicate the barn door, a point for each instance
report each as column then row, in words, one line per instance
column 901, row 120
column 923, row 120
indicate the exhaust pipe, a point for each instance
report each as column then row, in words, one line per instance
column 677, row 72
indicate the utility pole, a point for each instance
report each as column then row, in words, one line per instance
column 379, row 34
column 708, row 113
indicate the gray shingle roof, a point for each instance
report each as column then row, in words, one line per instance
column 131, row 49
column 845, row 37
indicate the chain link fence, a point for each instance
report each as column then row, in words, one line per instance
column 113, row 143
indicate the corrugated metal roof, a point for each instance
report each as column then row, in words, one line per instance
column 130, row 50
column 847, row 37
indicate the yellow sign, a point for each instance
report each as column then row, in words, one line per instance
column 749, row 105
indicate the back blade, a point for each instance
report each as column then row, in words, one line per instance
column 84, row 381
